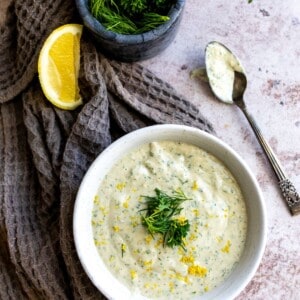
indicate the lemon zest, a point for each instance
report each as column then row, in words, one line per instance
column 226, row 248
column 197, row 270
column 116, row 228
column 195, row 186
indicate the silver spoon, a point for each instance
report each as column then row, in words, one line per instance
column 223, row 65
column 287, row 188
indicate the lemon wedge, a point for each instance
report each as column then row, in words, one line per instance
column 58, row 66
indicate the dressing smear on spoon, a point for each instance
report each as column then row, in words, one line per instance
column 220, row 67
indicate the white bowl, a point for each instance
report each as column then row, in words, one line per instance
column 256, row 212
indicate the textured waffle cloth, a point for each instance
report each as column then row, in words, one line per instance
column 44, row 151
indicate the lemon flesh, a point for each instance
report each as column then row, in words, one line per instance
column 58, row 66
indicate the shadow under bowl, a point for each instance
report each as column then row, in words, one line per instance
column 132, row 47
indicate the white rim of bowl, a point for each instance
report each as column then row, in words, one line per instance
column 84, row 244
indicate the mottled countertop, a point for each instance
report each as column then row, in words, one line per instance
column 266, row 37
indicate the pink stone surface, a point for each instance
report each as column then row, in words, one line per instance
column 266, row 37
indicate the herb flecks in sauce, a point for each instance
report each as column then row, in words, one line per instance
column 159, row 217
column 216, row 214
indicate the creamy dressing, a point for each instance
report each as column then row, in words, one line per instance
column 220, row 67
column 216, row 213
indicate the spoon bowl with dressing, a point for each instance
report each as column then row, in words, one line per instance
column 220, row 67
column 228, row 81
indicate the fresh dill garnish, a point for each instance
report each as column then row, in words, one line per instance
column 130, row 16
column 159, row 217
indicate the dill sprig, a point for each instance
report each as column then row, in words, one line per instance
column 150, row 21
column 134, row 7
column 159, row 217
column 130, row 16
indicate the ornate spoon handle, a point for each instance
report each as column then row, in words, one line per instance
column 287, row 188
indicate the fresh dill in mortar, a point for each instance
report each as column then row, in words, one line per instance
column 131, row 16
column 160, row 217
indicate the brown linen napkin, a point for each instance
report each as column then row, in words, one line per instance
column 45, row 151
